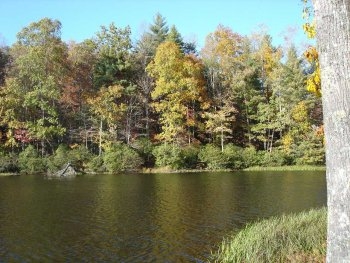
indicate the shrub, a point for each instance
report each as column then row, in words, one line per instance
column 79, row 157
column 189, row 157
column 168, row 155
column 96, row 164
column 310, row 152
column 233, row 156
column 145, row 148
column 8, row 163
column 212, row 156
column 59, row 158
column 251, row 157
column 275, row 158
column 30, row 162
column 120, row 157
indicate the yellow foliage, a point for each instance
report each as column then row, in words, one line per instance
column 310, row 29
column 287, row 142
column 313, row 83
column 105, row 104
column 300, row 113
column 311, row 55
column 179, row 86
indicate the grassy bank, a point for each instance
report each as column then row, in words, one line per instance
column 287, row 168
column 167, row 169
column 292, row 238
column 8, row 174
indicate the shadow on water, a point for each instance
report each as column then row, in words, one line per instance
column 142, row 218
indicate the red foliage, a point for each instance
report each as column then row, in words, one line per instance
column 22, row 135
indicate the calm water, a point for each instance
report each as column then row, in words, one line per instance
column 142, row 218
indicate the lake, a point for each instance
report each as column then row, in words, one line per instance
column 142, row 217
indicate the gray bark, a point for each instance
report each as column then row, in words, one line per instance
column 333, row 39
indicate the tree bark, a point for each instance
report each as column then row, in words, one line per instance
column 100, row 138
column 333, row 40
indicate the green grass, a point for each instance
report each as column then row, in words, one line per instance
column 287, row 168
column 292, row 238
column 8, row 174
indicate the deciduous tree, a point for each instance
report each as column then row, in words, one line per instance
column 35, row 81
column 178, row 91
column 333, row 42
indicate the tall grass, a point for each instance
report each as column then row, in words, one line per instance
column 292, row 238
column 287, row 168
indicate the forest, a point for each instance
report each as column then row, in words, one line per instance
column 110, row 104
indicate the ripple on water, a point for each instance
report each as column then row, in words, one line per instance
column 140, row 218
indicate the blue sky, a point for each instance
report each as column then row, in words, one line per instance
column 195, row 19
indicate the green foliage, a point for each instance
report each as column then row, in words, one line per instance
column 59, row 158
column 119, row 158
column 233, row 156
column 189, row 157
column 168, row 154
column 103, row 91
column 78, row 157
column 4, row 60
column 276, row 158
column 212, row 156
column 145, row 148
column 33, row 91
column 8, row 163
column 252, row 157
column 289, row 238
column 96, row 165
column 112, row 66
column 30, row 162
column 310, row 152
column 175, row 156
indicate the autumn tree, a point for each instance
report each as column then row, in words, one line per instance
column 4, row 60
column 107, row 105
column 144, row 52
column 35, row 81
column 311, row 54
column 179, row 90
column 78, row 87
column 221, row 55
column 112, row 81
column 333, row 42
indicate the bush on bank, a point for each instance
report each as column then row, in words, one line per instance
column 143, row 153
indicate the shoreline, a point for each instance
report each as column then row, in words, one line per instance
column 9, row 174
column 287, row 168
column 168, row 170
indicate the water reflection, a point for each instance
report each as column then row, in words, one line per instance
column 142, row 218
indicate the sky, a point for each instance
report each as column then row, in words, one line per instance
column 194, row 19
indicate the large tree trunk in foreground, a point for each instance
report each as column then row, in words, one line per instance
column 333, row 39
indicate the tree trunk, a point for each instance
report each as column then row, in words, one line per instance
column 222, row 138
column 333, row 39
column 100, row 139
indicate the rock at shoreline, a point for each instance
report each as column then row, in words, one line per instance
column 67, row 171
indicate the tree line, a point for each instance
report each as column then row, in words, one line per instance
column 109, row 104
